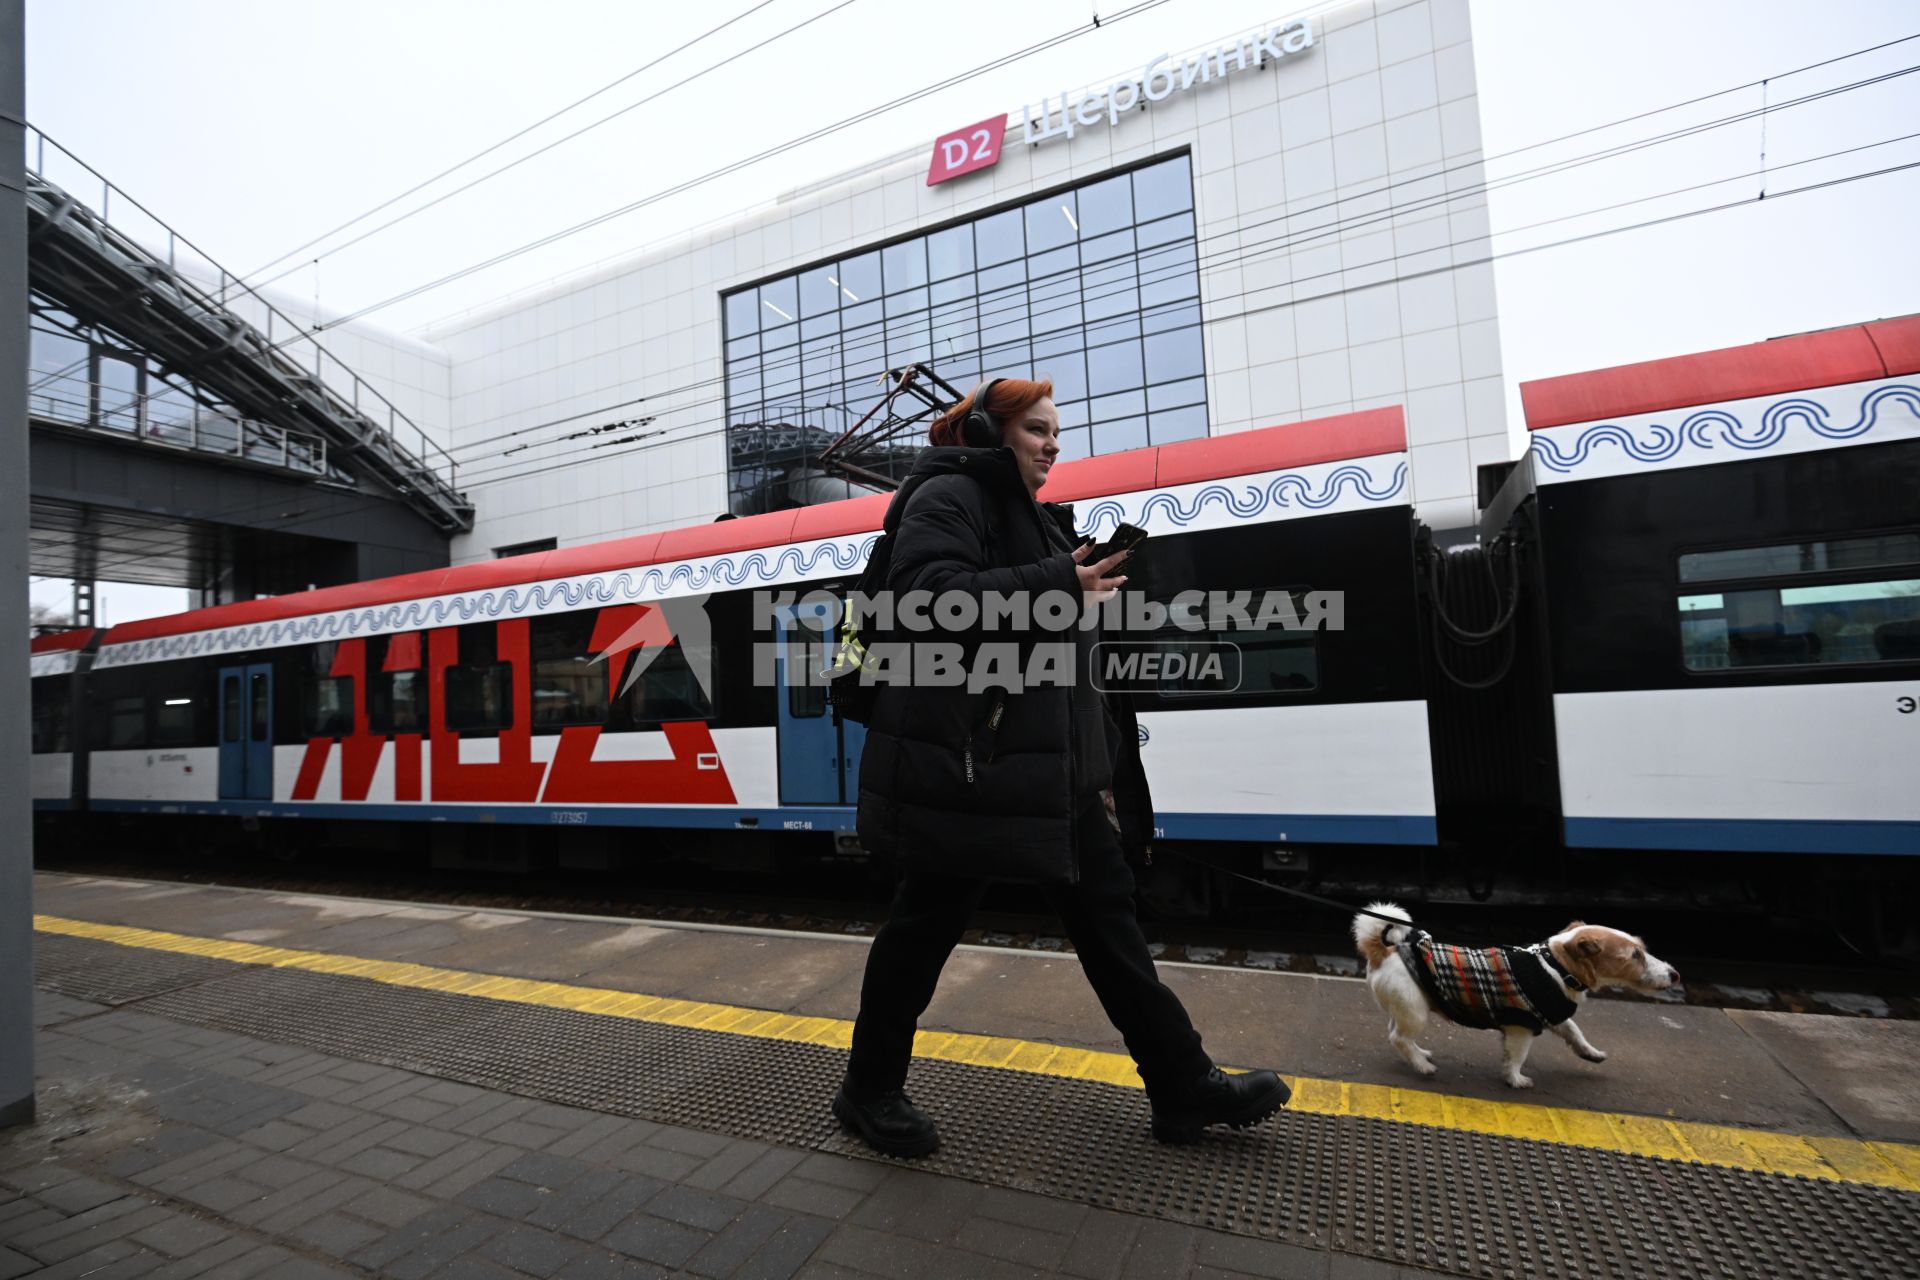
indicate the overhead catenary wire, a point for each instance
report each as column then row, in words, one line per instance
column 1493, row 256
column 510, row 138
column 860, row 117
column 1135, row 9
column 514, row 164
column 488, row 475
column 1340, row 227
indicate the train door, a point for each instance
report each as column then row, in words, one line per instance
column 246, row 732
column 819, row 759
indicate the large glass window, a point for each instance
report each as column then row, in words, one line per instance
column 1781, row 605
column 1095, row 287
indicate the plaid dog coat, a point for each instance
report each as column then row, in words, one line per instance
column 1494, row 987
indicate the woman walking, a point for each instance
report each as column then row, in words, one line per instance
column 961, row 787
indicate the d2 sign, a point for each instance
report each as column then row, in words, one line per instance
column 975, row 147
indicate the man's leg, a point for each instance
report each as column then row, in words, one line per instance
column 928, row 915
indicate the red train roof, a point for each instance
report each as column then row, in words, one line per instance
column 1352, row 435
column 61, row 641
column 1856, row 353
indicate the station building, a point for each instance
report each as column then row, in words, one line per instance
column 1280, row 224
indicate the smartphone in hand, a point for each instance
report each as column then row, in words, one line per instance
column 1126, row 538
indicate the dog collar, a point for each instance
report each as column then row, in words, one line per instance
column 1545, row 952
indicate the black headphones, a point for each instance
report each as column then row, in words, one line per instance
column 979, row 430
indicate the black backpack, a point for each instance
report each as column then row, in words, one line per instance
column 851, row 696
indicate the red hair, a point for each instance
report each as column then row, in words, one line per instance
column 1012, row 397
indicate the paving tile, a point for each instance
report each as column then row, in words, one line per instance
column 919, row 1205
column 77, row 1195
column 807, row 1196
column 1261, row 1257
column 336, row 1234
column 669, row 1166
column 420, row 1141
column 207, row 1259
column 503, row 1196
column 790, row 1248
column 692, row 1142
column 1161, row 1249
column 1028, row 1246
column 694, row 1208
column 179, row 1236
column 724, row 1254
column 532, row 1252
column 225, row 1195
column 601, row 1265
column 1100, row 1246
column 388, row 1206
column 839, row 1171
column 759, row 1177
column 1345, row 1266
column 595, row 1131
column 524, row 1133
column 542, row 1170
column 654, row 1240
column 89, row 1262
column 612, row 1209
column 381, row 1164
column 1025, row 1208
column 15, row 1264
column 883, row 1253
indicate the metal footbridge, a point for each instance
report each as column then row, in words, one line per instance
column 116, row 265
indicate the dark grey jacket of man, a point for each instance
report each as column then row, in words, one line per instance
column 948, row 786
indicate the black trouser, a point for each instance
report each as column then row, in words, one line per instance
column 929, row 914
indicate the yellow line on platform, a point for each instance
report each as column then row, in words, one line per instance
column 1880, row 1164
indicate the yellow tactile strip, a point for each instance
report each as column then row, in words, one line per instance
column 1881, row 1164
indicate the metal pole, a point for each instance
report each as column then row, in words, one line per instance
column 16, row 808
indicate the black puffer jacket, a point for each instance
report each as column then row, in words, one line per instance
column 939, row 788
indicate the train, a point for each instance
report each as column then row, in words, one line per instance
column 1682, row 648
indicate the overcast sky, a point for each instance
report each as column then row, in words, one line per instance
column 254, row 125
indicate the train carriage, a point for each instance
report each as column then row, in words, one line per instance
column 1725, row 565
column 56, row 776
column 618, row 684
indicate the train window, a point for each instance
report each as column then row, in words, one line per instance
column 230, row 708
column 173, row 721
column 480, row 698
column 807, row 642
column 329, row 708
column 260, row 702
column 397, row 702
column 569, row 691
column 1796, row 558
column 127, row 721
column 1264, row 661
column 668, row 689
column 51, row 708
column 1774, row 626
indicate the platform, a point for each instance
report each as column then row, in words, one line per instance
column 274, row 1084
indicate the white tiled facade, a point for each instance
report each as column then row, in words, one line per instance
column 1361, row 137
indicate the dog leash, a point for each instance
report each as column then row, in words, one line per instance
column 1302, row 894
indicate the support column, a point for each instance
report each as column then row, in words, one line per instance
column 16, row 807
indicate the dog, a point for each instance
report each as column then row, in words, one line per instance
column 1520, row 990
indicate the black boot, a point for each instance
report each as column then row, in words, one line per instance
column 1218, row 1098
column 887, row 1122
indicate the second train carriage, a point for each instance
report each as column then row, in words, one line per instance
column 500, row 693
column 1722, row 595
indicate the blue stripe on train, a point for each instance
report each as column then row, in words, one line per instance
column 1745, row 835
column 1258, row 828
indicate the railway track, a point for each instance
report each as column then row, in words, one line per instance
column 1729, row 962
